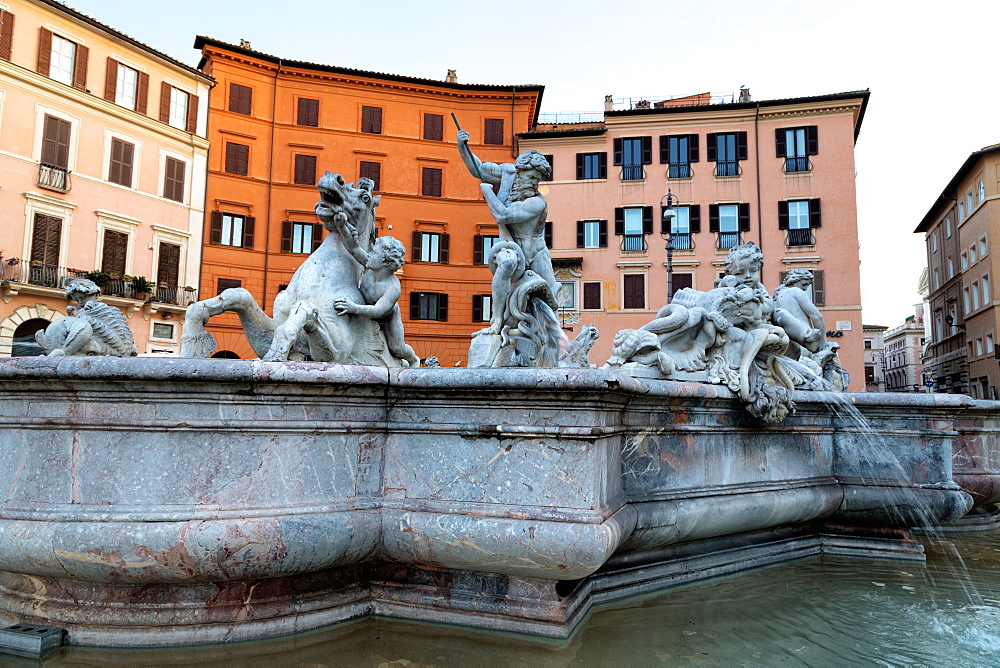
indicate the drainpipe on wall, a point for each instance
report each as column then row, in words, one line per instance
column 270, row 184
column 513, row 135
column 756, row 149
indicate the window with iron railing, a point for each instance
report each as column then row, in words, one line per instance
column 795, row 145
column 633, row 224
column 682, row 241
column 678, row 152
column 799, row 218
column 728, row 240
column 728, row 221
column 726, row 150
column 633, row 173
column 53, row 177
column 800, row 238
column 634, row 242
column 631, row 153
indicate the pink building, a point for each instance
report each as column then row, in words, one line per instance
column 102, row 162
column 779, row 173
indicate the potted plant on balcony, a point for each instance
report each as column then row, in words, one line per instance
column 141, row 287
column 101, row 279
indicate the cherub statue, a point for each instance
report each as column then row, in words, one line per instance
column 92, row 328
column 796, row 313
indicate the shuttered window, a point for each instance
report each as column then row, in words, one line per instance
column 55, row 142
column 549, row 158
column 308, row 112
column 592, row 233
column 237, row 158
column 634, row 290
column 482, row 245
column 428, row 306
column 817, row 291
column 45, row 239
column 240, row 99
column 373, row 171
column 6, row 34
column 431, row 247
column 299, row 237
column 114, row 251
column 178, row 108
column 493, row 131
column 591, row 166
column 371, row 120
column 430, row 182
column 226, row 283
column 434, row 127
column 126, row 87
column 173, row 179
column 482, row 308
column 591, row 296
column 168, row 264
column 681, row 281
column 726, row 150
column 120, row 166
column 305, row 169
column 229, row 229
column 62, row 60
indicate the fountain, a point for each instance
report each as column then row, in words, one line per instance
column 176, row 501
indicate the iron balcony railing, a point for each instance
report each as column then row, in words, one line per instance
column 679, row 171
column 53, row 177
column 728, row 168
column 53, row 276
column 682, row 241
column 801, row 237
column 728, row 240
column 633, row 173
column 634, row 242
column 801, row 164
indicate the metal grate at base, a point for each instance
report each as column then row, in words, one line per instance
column 31, row 639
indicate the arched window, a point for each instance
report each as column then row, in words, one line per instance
column 226, row 355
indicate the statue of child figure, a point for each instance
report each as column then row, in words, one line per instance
column 796, row 313
column 380, row 288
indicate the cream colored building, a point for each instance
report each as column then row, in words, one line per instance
column 102, row 169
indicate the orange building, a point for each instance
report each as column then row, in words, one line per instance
column 276, row 124
column 779, row 173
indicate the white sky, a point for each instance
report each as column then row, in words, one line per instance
column 931, row 67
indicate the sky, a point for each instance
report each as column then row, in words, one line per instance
column 931, row 68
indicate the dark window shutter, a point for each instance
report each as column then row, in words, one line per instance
column 80, row 67
column 46, row 239
column 581, row 236
column 494, row 131
column 603, row 165
column 248, row 229
column 548, row 234
column 433, row 127
column 226, row 283
column 317, row 236
column 442, row 313
column 780, row 136
column 111, row 80
column 165, row 89
column 664, row 149
column 477, row 308
column 815, row 217
column 647, row 150
column 819, row 288
column 44, row 51
column 635, row 291
column 681, row 281
column 6, row 34
column 120, row 167
column 215, row 231
column 781, row 277
column 552, row 166
column 307, row 112
column 591, row 296
column 168, row 267
column 741, row 146
column 744, row 217
column 445, row 243
column 417, row 246
column 619, row 221
column 663, row 221
column 579, row 166
column 812, row 140
column 712, row 145
column 286, row 236
column 371, row 120
column 414, row 306
column 782, row 215
column 619, row 151
column 142, row 93
column 693, row 148
column 114, row 252
column 694, row 218
column 240, row 99
column 173, row 179
column 192, row 114
column 237, row 158
column 713, row 218
column 603, row 233
column 55, row 142
column 305, row 169
column 477, row 249
column 647, row 220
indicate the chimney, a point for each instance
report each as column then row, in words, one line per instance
column 744, row 94
column 244, row 44
column 452, row 76
column 609, row 104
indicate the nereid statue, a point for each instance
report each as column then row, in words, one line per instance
column 737, row 335
column 92, row 328
column 340, row 305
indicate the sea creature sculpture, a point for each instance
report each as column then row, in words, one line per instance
column 577, row 353
column 92, row 327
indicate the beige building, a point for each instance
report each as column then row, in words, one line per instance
column 960, row 229
column 902, row 364
column 874, row 345
column 102, row 167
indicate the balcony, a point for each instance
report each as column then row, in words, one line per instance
column 800, row 164
column 679, row 171
column 633, row 242
column 728, row 168
column 633, row 173
column 53, row 177
column 682, row 241
column 727, row 240
column 800, row 237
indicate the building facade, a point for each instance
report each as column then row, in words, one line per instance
column 779, row 173
column 102, row 163
column 959, row 230
column 902, row 363
column 276, row 125
column 874, row 345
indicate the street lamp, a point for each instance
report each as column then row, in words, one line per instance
column 667, row 203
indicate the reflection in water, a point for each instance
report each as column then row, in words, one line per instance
column 820, row 611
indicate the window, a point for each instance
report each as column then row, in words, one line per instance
column 986, row 290
column 592, row 296
column 934, row 242
column 951, row 268
column 371, row 120
column 868, row 344
column 373, row 171
column 632, row 153
column 726, row 149
column 114, row 251
column 634, row 290
column 300, row 237
column 240, row 99
column 961, row 212
column 305, row 170
column 678, row 152
column 968, row 202
column 728, row 221
column 548, row 234
column 633, row 225
column 937, row 279
column 975, row 295
column 686, row 221
column 434, row 127
column 982, row 247
column 120, row 166
column 549, row 158
column 46, row 238
column 979, row 347
column 591, row 166
column 482, row 308
column 428, row 306
column 966, row 301
column 179, row 101
column 226, row 283
column 62, row 66
column 795, row 145
column 430, row 247
column 163, row 330
column 989, row 345
column 6, row 34
column 230, row 229
column 482, row 245
column 178, row 108
column 494, row 131
column 430, row 181
column 54, row 169
column 168, row 267
column 173, row 179
column 237, row 158
column 124, row 86
column 972, row 254
column 981, row 192
column 679, row 282
column 947, row 228
column 965, row 261
column 307, row 112
column 591, row 234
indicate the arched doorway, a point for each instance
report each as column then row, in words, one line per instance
column 21, row 326
column 23, row 343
